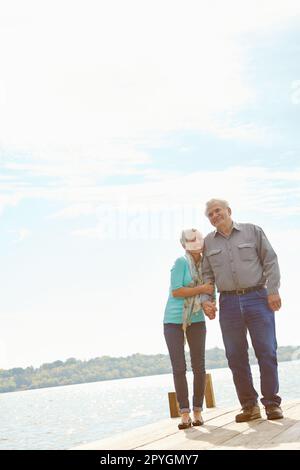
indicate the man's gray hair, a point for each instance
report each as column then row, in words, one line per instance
column 212, row 202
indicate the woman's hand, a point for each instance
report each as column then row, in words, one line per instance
column 207, row 289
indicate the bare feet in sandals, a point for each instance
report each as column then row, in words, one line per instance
column 198, row 420
column 186, row 421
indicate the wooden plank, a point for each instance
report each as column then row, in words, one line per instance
column 288, row 439
column 213, row 435
column 259, row 432
column 220, row 431
column 196, row 437
column 209, row 392
column 131, row 439
column 146, row 434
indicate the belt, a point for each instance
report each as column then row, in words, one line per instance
column 241, row 291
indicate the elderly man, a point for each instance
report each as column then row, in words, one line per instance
column 240, row 260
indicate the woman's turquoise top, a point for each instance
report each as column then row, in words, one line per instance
column 180, row 277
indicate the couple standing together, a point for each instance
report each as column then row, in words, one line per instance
column 239, row 260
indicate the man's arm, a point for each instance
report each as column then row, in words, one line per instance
column 208, row 301
column 270, row 265
column 207, row 275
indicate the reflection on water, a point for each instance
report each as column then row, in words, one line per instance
column 63, row 417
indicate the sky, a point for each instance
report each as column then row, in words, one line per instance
column 118, row 121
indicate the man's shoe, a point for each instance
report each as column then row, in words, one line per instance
column 248, row 414
column 274, row 412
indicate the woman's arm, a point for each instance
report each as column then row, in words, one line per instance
column 191, row 291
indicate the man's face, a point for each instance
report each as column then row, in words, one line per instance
column 219, row 215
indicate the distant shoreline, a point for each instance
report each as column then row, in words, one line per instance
column 74, row 371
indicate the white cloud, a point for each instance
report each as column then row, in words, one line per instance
column 246, row 187
column 295, row 92
column 120, row 71
column 160, row 209
column 239, row 131
column 8, row 200
column 82, row 164
column 21, row 234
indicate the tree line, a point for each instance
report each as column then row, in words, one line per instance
column 75, row 371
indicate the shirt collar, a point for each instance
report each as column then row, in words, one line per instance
column 235, row 226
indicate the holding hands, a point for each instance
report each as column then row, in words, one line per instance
column 209, row 309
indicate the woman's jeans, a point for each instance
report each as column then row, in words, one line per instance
column 195, row 334
column 250, row 312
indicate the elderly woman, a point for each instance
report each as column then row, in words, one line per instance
column 184, row 319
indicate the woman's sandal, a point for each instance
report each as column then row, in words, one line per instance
column 185, row 425
column 198, row 422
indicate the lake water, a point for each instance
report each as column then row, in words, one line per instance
column 63, row 417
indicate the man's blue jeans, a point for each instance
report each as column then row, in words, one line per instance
column 195, row 334
column 239, row 313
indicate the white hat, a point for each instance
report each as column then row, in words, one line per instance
column 192, row 239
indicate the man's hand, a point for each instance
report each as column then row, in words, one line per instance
column 274, row 302
column 209, row 309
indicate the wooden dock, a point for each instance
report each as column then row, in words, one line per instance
column 220, row 431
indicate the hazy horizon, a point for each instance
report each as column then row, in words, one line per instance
column 296, row 355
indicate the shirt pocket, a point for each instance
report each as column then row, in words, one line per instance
column 247, row 251
column 215, row 257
